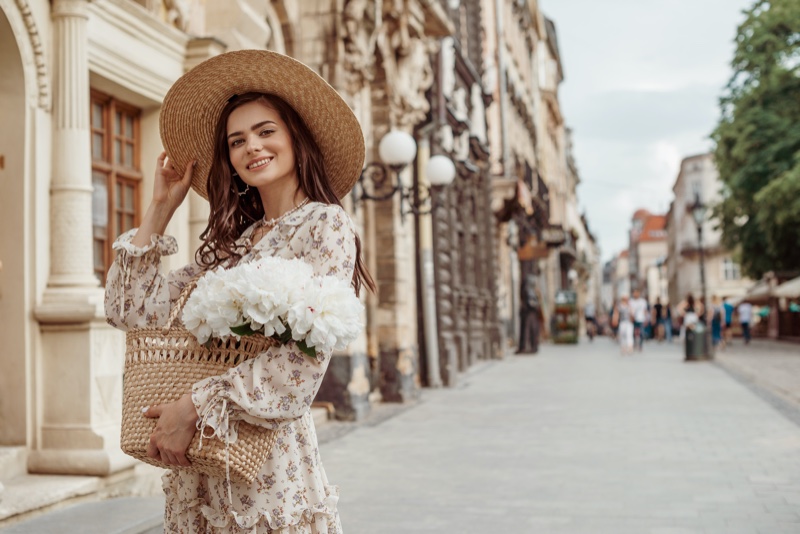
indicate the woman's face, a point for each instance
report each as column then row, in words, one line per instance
column 259, row 146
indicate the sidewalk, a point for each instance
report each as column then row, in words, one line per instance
column 577, row 440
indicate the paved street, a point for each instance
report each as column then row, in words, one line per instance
column 577, row 440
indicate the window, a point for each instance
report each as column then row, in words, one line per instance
column 116, row 175
column 731, row 270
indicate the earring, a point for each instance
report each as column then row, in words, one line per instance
column 246, row 189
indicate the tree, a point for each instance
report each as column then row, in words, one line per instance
column 758, row 141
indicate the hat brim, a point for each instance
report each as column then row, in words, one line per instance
column 193, row 105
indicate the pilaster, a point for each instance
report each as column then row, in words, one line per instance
column 75, row 434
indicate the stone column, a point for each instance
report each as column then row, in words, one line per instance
column 71, row 187
column 79, row 378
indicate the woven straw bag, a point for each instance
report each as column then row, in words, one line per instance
column 161, row 365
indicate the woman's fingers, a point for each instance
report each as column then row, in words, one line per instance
column 186, row 181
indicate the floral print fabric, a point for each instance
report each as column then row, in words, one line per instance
column 291, row 494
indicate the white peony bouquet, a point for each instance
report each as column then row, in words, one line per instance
column 279, row 298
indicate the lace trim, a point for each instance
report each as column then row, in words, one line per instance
column 163, row 244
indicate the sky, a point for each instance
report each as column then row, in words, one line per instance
column 642, row 81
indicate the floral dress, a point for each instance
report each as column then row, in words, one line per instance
column 291, row 494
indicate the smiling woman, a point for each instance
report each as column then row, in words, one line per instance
column 264, row 150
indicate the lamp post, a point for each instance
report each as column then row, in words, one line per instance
column 693, row 352
column 396, row 150
column 699, row 214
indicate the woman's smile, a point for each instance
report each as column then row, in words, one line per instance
column 259, row 164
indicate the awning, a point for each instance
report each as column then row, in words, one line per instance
column 789, row 289
column 759, row 292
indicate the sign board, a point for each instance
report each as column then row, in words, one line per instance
column 554, row 236
column 532, row 250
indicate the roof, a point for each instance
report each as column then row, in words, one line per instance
column 640, row 214
column 624, row 254
column 654, row 228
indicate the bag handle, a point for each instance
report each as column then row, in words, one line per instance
column 180, row 302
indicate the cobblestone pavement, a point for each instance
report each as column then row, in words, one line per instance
column 576, row 440
column 772, row 366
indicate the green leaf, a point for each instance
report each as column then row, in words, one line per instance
column 243, row 330
column 309, row 351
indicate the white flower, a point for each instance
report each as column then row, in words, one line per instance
column 328, row 317
column 271, row 294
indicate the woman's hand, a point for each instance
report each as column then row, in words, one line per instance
column 170, row 188
column 177, row 423
column 169, row 191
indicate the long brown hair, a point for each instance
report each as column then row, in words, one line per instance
column 232, row 212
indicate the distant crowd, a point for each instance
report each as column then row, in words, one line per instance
column 633, row 320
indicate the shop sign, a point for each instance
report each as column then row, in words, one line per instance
column 554, row 236
column 532, row 250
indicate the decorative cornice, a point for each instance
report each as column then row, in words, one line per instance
column 42, row 78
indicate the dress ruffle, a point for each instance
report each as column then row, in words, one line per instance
column 320, row 518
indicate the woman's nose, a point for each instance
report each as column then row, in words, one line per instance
column 253, row 144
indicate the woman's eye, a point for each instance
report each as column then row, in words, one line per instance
column 266, row 132
column 236, row 142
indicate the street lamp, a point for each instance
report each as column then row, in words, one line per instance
column 699, row 214
column 396, row 150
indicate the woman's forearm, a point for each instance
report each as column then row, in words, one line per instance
column 155, row 221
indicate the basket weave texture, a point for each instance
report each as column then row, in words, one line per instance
column 161, row 365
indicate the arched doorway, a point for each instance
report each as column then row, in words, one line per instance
column 15, row 393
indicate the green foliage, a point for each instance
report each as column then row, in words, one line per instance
column 758, row 141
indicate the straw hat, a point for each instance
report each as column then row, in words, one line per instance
column 193, row 106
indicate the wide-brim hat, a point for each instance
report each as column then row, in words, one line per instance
column 194, row 103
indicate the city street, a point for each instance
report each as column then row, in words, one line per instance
column 576, row 440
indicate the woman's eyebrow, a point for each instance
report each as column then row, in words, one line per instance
column 253, row 127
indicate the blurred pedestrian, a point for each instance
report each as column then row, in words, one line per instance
column 728, row 310
column 717, row 314
column 658, row 319
column 668, row 322
column 638, row 306
column 690, row 312
column 623, row 320
column 530, row 314
column 591, row 320
column 745, row 312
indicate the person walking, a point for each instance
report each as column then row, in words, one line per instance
column 530, row 315
column 717, row 314
column 622, row 319
column 638, row 306
column 668, row 325
column 589, row 314
column 690, row 313
column 273, row 148
column 728, row 309
column 745, row 312
column 658, row 319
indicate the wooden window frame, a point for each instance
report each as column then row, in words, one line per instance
column 116, row 173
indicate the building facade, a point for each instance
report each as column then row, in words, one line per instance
column 533, row 176
column 698, row 178
column 648, row 253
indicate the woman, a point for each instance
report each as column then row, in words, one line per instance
column 273, row 147
column 690, row 313
column 623, row 319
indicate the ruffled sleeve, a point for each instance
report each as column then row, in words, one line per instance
column 278, row 387
column 137, row 294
